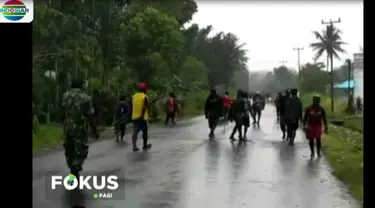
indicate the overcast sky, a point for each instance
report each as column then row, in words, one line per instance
column 271, row 30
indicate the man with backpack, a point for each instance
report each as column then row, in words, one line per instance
column 121, row 118
column 292, row 114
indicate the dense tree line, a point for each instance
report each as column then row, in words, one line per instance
column 115, row 44
column 314, row 78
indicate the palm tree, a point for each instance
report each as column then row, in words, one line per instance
column 329, row 42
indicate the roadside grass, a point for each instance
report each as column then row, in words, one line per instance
column 193, row 104
column 355, row 123
column 342, row 145
column 47, row 136
column 343, row 150
column 50, row 136
column 351, row 121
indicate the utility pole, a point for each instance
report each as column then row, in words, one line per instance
column 330, row 24
column 350, row 81
column 299, row 61
column 283, row 62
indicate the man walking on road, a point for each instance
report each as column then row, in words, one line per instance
column 140, row 117
column 171, row 109
column 248, row 113
column 257, row 107
column 213, row 110
column 79, row 113
column 293, row 114
column 227, row 101
column 237, row 113
column 121, row 118
column 315, row 116
column 281, row 103
column 277, row 105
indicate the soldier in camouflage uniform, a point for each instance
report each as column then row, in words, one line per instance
column 79, row 114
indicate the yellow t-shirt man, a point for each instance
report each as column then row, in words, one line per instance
column 138, row 104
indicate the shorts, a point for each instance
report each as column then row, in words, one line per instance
column 314, row 132
column 140, row 125
column 257, row 109
column 171, row 115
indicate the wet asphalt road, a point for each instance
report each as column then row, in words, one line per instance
column 184, row 170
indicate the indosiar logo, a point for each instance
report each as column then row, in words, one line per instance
column 15, row 11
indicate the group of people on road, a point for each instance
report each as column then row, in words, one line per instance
column 80, row 114
column 289, row 109
column 289, row 113
column 238, row 110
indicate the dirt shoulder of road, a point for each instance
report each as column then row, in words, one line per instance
column 344, row 151
column 49, row 138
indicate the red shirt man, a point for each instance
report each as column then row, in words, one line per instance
column 172, row 108
column 315, row 117
column 171, row 104
column 227, row 101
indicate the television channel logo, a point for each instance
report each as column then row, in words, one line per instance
column 97, row 186
column 15, row 11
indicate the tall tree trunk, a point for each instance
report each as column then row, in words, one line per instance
column 328, row 68
column 104, row 18
column 48, row 120
column 50, row 100
column 57, row 84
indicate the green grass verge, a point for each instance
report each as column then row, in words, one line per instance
column 354, row 123
column 351, row 121
column 343, row 150
column 47, row 136
column 343, row 145
column 50, row 136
